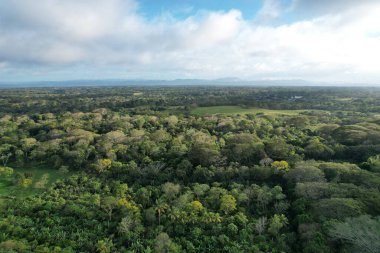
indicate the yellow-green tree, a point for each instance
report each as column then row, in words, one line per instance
column 25, row 182
column 196, row 206
column 104, row 246
column 280, row 165
column 6, row 171
column 227, row 203
column 103, row 165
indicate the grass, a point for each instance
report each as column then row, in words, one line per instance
column 201, row 111
column 42, row 178
column 344, row 99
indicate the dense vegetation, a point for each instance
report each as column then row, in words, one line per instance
column 190, row 169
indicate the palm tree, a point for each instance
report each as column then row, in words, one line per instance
column 160, row 208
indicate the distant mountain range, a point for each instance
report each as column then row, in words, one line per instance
column 230, row 81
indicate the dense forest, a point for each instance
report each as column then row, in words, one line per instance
column 190, row 169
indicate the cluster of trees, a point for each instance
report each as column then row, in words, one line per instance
column 151, row 177
column 159, row 98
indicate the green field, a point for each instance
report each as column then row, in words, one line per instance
column 201, row 111
column 42, row 178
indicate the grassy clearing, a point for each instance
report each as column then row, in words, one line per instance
column 42, row 178
column 201, row 111
column 344, row 99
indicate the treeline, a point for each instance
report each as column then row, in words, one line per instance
column 87, row 99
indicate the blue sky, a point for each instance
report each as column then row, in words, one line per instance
column 184, row 8
column 324, row 40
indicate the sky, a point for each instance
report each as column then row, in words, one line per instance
column 320, row 41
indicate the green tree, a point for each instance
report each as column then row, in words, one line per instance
column 126, row 224
column 373, row 163
column 200, row 189
column 278, row 149
column 261, row 225
column 227, row 203
column 171, row 190
column 5, row 153
column 305, row 173
column 6, row 171
column 163, row 244
column 277, row 222
column 27, row 144
column 362, row 231
column 161, row 208
column 204, row 154
column 338, row 208
column 108, row 204
column 317, row 150
column 244, row 148
column 104, row 246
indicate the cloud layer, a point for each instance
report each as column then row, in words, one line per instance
column 73, row 39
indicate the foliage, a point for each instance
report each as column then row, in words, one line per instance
column 362, row 231
column 189, row 169
column 103, row 165
column 227, row 203
column 25, row 182
column 6, row 171
column 280, row 165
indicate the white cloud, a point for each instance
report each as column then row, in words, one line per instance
column 271, row 9
column 110, row 36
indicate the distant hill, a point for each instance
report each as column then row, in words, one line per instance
column 230, row 81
